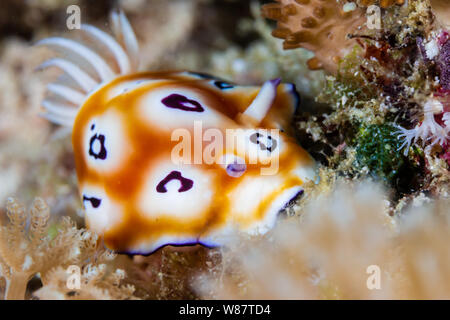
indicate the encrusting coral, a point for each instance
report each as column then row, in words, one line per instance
column 29, row 245
column 320, row 26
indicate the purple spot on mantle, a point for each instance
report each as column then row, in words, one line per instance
column 236, row 170
column 186, row 184
column 177, row 101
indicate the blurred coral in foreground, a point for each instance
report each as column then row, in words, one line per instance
column 29, row 245
column 441, row 9
column 325, row 253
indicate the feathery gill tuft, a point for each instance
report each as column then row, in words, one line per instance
column 62, row 107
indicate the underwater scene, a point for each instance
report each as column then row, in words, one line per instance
column 225, row 150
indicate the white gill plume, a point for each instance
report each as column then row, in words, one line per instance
column 79, row 59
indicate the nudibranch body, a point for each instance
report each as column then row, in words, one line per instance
column 153, row 158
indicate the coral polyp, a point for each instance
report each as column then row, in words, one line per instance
column 428, row 131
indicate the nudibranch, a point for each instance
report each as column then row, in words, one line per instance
column 140, row 189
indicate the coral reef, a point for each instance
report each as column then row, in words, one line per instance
column 396, row 78
column 379, row 110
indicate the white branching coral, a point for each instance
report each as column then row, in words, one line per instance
column 27, row 248
column 428, row 130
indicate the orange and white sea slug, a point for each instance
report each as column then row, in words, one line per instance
column 140, row 188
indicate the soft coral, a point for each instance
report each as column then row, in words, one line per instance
column 429, row 129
